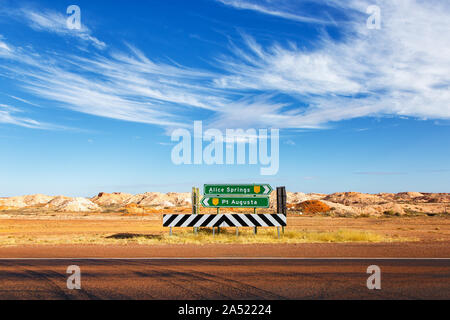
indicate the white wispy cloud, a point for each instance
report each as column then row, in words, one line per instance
column 271, row 8
column 402, row 70
column 4, row 46
column 8, row 115
column 50, row 21
column 125, row 86
column 289, row 142
column 5, row 50
column 56, row 22
column 23, row 100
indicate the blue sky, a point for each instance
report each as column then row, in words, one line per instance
column 90, row 110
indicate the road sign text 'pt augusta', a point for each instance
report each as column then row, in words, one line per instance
column 236, row 202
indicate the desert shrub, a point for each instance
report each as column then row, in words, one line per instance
column 313, row 206
column 391, row 213
column 410, row 212
column 133, row 208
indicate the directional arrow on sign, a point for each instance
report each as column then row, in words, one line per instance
column 267, row 189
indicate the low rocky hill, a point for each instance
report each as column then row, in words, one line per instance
column 340, row 203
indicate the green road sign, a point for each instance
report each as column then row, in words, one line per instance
column 235, row 202
column 237, row 189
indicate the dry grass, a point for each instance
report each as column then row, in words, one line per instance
column 270, row 236
column 204, row 236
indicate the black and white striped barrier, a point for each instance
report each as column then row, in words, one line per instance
column 224, row 220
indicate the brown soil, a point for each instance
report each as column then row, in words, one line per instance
column 430, row 229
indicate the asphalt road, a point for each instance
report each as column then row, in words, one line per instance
column 244, row 278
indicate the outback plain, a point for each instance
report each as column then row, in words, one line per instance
column 408, row 224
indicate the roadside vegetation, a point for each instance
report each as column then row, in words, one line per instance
column 204, row 236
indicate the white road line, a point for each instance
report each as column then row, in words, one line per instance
column 224, row 258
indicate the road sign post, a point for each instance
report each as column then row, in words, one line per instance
column 195, row 203
column 281, row 201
